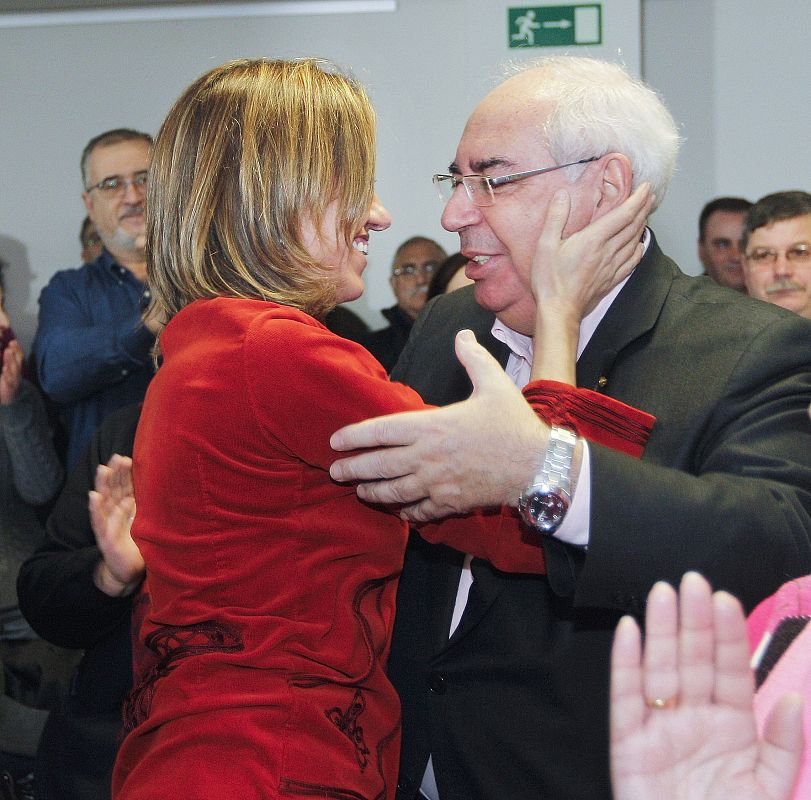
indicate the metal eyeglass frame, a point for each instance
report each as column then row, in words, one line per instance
column 491, row 183
column 115, row 184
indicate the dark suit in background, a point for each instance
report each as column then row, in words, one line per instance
column 61, row 601
column 515, row 705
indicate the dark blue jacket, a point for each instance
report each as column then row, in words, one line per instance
column 92, row 352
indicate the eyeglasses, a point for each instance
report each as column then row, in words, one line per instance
column 412, row 270
column 796, row 254
column 479, row 188
column 115, row 184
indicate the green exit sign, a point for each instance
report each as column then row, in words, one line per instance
column 555, row 26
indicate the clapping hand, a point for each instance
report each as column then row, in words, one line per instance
column 682, row 724
column 12, row 371
column 112, row 510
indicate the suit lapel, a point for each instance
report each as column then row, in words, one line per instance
column 443, row 579
column 486, row 587
column 631, row 315
column 497, row 349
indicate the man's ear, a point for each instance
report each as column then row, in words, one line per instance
column 87, row 203
column 615, row 183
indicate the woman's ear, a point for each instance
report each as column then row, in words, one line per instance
column 615, row 183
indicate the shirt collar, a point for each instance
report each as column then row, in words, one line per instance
column 109, row 263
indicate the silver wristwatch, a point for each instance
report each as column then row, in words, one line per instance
column 544, row 503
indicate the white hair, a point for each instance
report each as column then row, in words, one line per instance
column 598, row 108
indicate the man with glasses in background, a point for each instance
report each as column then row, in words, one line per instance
column 415, row 262
column 92, row 351
column 503, row 679
column 777, row 246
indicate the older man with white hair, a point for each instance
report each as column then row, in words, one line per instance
column 504, row 678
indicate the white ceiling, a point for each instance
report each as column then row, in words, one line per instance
column 19, row 6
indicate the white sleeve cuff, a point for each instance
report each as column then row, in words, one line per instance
column 575, row 526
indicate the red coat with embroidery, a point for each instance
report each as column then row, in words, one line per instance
column 272, row 587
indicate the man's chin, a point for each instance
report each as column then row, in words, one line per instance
column 483, row 292
column 127, row 241
column 788, row 300
column 518, row 316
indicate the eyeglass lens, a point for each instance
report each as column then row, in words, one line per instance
column 797, row 254
column 412, row 270
column 117, row 184
column 477, row 188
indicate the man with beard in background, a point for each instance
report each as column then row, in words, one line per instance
column 93, row 352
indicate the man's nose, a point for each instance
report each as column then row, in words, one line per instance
column 134, row 193
column 783, row 268
column 459, row 211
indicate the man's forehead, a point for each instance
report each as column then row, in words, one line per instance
column 119, row 157
column 791, row 227
column 501, row 137
column 425, row 251
column 718, row 218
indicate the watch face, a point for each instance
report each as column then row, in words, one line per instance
column 547, row 509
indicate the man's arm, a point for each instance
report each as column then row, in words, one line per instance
column 570, row 275
column 36, row 470
column 728, row 493
column 76, row 354
column 56, row 587
column 480, row 452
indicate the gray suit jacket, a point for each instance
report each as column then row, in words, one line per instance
column 514, row 705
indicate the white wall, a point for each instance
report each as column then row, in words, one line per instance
column 736, row 75
column 426, row 65
column 762, row 111
column 677, row 60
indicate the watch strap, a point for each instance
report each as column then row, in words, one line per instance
column 556, row 469
column 544, row 503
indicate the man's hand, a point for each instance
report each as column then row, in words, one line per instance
column 12, row 370
column 480, row 452
column 112, row 510
column 682, row 725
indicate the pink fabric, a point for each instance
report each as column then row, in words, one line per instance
column 793, row 671
column 757, row 623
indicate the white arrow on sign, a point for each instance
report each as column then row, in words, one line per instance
column 558, row 23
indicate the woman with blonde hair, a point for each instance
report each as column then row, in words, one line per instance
column 271, row 587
